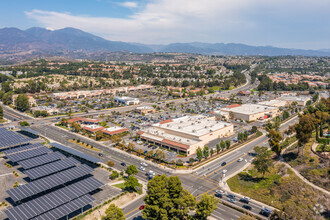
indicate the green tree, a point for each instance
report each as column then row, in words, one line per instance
column 275, row 138
column 24, row 123
column 98, row 135
column 222, row 144
column 22, row 103
column 218, row 148
column 166, row 199
column 110, row 163
column 131, row 170
column 285, row 115
column 113, row 213
column 131, row 183
column 227, row 144
column 1, row 112
column 304, row 130
column 254, row 129
column 263, row 161
column 150, row 153
column 206, row 205
column 206, row 151
column 199, row 153
column 6, row 98
column 130, row 146
column 114, row 175
column 211, row 151
column 76, row 126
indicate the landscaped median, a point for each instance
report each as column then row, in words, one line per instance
column 282, row 189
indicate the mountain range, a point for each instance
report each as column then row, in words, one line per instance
column 74, row 40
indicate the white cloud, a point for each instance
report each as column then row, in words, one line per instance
column 166, row 21
column 129, row 4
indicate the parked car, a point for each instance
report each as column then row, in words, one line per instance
column 247, row 207
column 231, row 196
column 265, row 212
column 218, row 195
column 144, row 164
column 231, row 200
column 123, row 164
column 142, row 168
column 244, row 200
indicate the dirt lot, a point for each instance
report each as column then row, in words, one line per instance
column 119, row 202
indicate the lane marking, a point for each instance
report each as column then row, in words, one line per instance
column 201, row 178
column 233, row 160
column 132, row 211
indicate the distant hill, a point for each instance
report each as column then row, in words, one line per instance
column 70, row 39
column 76, row 41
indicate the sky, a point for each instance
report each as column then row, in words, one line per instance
column 303, row 24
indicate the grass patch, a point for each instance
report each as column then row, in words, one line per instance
column 120, row 185
column 281, row 189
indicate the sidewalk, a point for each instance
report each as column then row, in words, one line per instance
column 299, row 175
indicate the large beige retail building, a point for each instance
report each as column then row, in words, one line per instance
column 252, row 112
column 187, row 133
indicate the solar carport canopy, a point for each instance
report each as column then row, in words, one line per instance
column 11, row 139
column 66, row 209
column 75, row 153
column 54, row 199
column 29, row 154
column 50, row 168
column 38, row 161
column 22, row 148
column 49, row 182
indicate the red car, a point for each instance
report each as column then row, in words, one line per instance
column 142, row 207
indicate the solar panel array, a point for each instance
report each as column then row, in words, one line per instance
column 29, row 130
column 49, row 182
column 66, row 209
column 11, row 138
column 54, row 199
column 45, row 197
column 75, row 152
column 50, row 168
column 41, row 160
column 28, row 154
column 22, row 148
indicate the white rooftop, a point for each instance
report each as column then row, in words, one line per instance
column 159, row 135
column 250, row 109
column 115, row 128
column 271, row 102
column 294, row 98
column 92, row 126
column 197, row 125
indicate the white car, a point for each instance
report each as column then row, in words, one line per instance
column 144, row 164
column 247, row 198
column 224, row 171
column 220, row 191
column 142, row 168
column 240, row 159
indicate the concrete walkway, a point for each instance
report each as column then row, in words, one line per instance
column 297, row 172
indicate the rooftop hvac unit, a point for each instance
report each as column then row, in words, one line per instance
column 211, row 130
column 193, row 123
column 205, row 126
column 167, row 125
column 181, row 121
column 194, row 131
column 179, row 127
